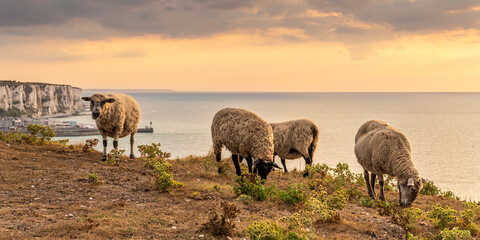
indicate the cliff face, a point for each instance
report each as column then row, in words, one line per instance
column 40, row 99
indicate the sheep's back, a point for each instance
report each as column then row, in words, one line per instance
column 243, row 132
column 378, row 145
column 295, row 134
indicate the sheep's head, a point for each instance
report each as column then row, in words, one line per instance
column 409, row 189
column 264, row 167
column 97, row 103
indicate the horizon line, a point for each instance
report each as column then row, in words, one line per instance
column 187, row 91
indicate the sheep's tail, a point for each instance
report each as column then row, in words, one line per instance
column 313, row 144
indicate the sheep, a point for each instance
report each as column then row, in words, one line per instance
column 382, row 149
column 295, row 139
column 246, row 134
column 116, row 116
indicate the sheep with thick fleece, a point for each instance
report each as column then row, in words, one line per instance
column 382, row 149
column 116, row 115
column 244, row 133
column 294, row 139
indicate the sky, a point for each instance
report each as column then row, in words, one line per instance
column 244, row 45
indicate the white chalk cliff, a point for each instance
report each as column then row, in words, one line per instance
column 40, row 99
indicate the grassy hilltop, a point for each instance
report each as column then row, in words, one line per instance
column 53, row 190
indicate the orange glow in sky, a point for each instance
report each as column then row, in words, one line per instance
column 268, row 58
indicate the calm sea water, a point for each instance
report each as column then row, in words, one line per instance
column 443, row 128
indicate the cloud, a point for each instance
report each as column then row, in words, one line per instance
column 353, row 22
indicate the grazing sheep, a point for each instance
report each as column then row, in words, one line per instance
column 116, row 116
column 246, row 134
column 295, row 139
column 382, row 149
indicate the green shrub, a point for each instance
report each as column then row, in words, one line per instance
column 250, row 184
column 152, row 151
column 318, row 170
column 265, row 230
column 155, row 159
column 92, row 177
column 385, row 208
column 320, row 211
column 89, row 144
column 408, row 218
column 442, row 216
column 338, row 200
column 449, row 194
column 207, row 162
column 455, row 234
column 294, row 194
column 244, row 198
column 367, row 202
column 430, row 189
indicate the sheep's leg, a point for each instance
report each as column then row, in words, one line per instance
column 380, row 181
column 373, row 177
column 308, row 161
column 104, row 157
column 240, row 158
column 219, row 159
column 284, row 165
column 115, row 146
column 237, row 165
column 366, row 175
column 399, row 194
column 249, row 163
column 132, row 141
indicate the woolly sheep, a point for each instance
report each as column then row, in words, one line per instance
column 382, row 149
column 246, row 134
column 116, row 116
column 295, row 139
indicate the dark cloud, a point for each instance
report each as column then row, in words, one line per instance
column 197, row 18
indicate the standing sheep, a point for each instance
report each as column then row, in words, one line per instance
column 246, row 134
column 116, row 116
column 295, row 139
column 382, row 149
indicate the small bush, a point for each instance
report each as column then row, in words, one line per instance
column 156, row 159
column 408, row 218
column 265, row 230
column 92, row 177
column 244, row 198
column 250, row 184
column 294, row 194
column 224, row 224
column 430, row 189
column 320, row 211
column 207, row 162
column 89, row 144
column 338, row 200
column 442, row 216
column 385, row 208
column 455, row 234
column 367, row 202
column 317, row 170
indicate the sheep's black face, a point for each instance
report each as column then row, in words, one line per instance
column 264, row 167
column 97, row 104
column 409, row 190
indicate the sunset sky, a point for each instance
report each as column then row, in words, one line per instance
column 244, row 45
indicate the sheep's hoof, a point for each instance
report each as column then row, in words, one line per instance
column 220, row 170
column 382, row 198
column 132, row 156
column 104, row 158
column 305, row 174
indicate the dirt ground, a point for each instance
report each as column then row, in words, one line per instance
column 45, row 193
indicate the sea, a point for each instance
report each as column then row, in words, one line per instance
column 443, row 128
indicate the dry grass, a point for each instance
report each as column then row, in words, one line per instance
column 46, row 194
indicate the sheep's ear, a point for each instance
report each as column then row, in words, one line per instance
column 410, row 182
column 88, row 99
column 276, row 165
column 110, row 100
